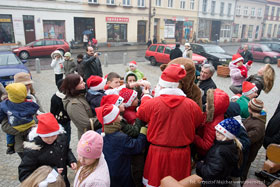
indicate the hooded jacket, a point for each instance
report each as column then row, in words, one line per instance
column 243, row 104
column 69, row 66
column 57, row 109
column 94, row 98
column 217, row 104
column 57, row 64
column 236, row 78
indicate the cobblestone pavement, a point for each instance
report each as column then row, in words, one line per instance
column 45, row 88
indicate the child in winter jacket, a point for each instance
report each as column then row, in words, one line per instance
column 48, row 146
column 223, row 156
column 132, row 66
column 118, row 146
column 92, row 168
column 79, row 67
column 69, row 65
column 238, row 72
column 58, row 111
column 57, row 65
column 19, row 110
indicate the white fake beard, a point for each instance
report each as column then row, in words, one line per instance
column 157, row 90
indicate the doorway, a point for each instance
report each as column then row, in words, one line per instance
column 243, row 32
column 141, row 32
column 82, row 24
column 215, row 30
column 29, row 29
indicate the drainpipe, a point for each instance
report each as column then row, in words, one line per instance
column 234, row 14
column 150, row 17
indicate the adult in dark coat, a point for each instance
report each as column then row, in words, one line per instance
column 247, row 55
column 176, row 53
column 149, row 43
column 154, row 40
column 91, row 64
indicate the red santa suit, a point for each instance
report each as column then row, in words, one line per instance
column 172, row 119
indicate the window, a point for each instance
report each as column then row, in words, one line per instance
column 110, row 2
column 126, row 2
column 167, row 50
column 93, row 1
column 160, row 49
column 50, row 42
column 141, row 3
column 259, row 14
column 59, row 43
column 191, row 4
column 204, row 6
column 39, row 43
column 153, row 48
column 213, row 4
column 235, row 30
column 250, row 31
column 116, row 32
column 272, row 13
column 253, row 12
column 257, row 49
column 182, row 4
column 6, row 29
column 269, row 29
column 170, row 3
column 222, row 8
column 229, row 9
column 225, row 31
column 245, row 11
column 278, row 14
column 238, row 10
column 158, row 2
column 266, row 12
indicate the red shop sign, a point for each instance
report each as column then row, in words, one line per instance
column 117, row 19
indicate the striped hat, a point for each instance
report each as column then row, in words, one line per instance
column 256, row 105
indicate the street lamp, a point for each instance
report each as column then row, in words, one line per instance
column 150, row 17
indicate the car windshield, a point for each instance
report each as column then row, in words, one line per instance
column 265, row 48
column 8, row 59
column 31, row 43
column 213, row 49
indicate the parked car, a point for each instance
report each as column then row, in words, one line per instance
column 43, row 47
column 261, row 52
column 215, row 54
column 160, row 53
column 10, row 65
column 274, row 46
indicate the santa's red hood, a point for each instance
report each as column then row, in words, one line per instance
column 172, row 101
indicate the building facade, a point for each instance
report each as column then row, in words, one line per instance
column 271, row 23
column 248, row 21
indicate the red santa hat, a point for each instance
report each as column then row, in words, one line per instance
column 111, row 99
column 171, row 75
column 107, row 114
column 128, row 95
column 237, row 58
column 248, row 88
column 96, row 83
column 47, row 125
column 132, row 63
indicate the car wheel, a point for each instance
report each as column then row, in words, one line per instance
column 153, row 61
column 267, row 60
column 62, row 52
column 24, row 55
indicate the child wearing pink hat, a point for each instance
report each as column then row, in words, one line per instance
column 92, row 167
column 48, row 146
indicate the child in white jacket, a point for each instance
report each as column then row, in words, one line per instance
column 57, row 65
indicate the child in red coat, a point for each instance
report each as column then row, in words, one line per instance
column 130, row 103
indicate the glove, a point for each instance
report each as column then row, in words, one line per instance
column 143, row 130
column 244, row 73
column 250, row 62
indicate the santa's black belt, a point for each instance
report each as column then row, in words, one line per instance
column 180, row 147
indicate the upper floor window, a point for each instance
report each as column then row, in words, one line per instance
column 259, row 14
column 272, row 12
column 222, row 8
column 253, row 12
column 204, row 6
column 213, row 5
column 238, row 10
column 183, row 4
column 170, row 3
column 141, row 3
column 278, row 14
column 110, row 2
column 158, row 2
column 126, row 2
column 229, row 9
column 191, row 4
column 245, row 11
column 93, row 1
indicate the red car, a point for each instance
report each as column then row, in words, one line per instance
column 261, row 52
column 160, row 53
column 43, row 47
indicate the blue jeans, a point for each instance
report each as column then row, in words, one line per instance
column 10, row 140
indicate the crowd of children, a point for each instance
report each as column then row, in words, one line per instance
column 112, row 132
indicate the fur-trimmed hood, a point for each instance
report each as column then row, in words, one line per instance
column 33, row 134
column 31, row 145
column 217, row 103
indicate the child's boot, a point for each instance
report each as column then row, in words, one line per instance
column 10, row 149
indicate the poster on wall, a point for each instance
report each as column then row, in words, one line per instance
column 54, row 29
column 169, row 31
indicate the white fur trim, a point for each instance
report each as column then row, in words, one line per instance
column 99, row 86
column 172, row 91
column 145, row 182
column 31, row 145
column 33, row 133
column 146, row 95
column 60, row 95
column 238, row 59
column 131, row 99
column 182, row 66
column 102, row 134
column 254, row 89
column 109, row 118
column 239, row 119
column 167, row 84
column 134, row 65
column 227, row 134
column 119, row 101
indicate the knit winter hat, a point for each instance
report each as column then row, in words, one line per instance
column 229, row 128
column 133, row 63
column 256, row 105
column 128, row 95
column 68, row 54
column 17, row 92
column 107, row 114
column 248, row 88
column 111, row 99
column 171, row 75
column 187, row 44
column 96, row 83
column 237, row 58
column 23, row 78
column 90, row 145
column 47, row 125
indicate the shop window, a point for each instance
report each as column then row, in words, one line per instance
column 54, row 29
column 235, row 30
column 117, row 32
column 250, row 31
column 169, row 29
column 225, row 31
column 203, row 28
column 6, row 29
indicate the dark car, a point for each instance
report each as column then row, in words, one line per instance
column 43, row 47
column 214, row 54
column 274, row 46
column 10, row 65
